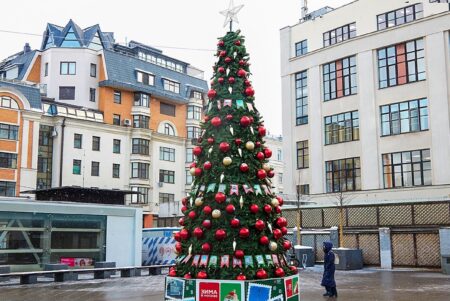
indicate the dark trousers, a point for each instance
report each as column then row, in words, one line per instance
column 332, row 291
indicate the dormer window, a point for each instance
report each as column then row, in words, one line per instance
column 96, row 43
column 171, row 86
column 145, row 78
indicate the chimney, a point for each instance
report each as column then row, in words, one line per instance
column 26, row 48
column 304, row 8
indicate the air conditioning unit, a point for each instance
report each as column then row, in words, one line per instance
column 127, row 122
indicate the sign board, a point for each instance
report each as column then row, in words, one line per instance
column 158, row 246
column 76, row 262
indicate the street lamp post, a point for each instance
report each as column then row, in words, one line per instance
column 299, row 216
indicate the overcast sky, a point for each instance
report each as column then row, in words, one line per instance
column 173, row 23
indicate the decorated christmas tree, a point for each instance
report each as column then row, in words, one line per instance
column 232, row 226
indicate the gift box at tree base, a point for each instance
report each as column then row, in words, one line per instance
column 232, row 228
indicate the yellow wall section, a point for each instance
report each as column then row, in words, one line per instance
column 179, row 120
column 35, row 73
column 7, row 174
column 107, row 105
column 8, row 146
column 30, row 144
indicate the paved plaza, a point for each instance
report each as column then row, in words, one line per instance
column 368, row 284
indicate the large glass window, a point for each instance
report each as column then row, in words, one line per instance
column 92, row 94
column 141, row 100
column 171, row 86
column 141, row 146
column 166, row 154
column 77, row 140
column 189, row 177
column 117, row 97
column 116, row 119
column 93, row 70
column 166, row 198
column 141, row 121
column 166, row 176
column 405, row 169
column 301, row 48
column 301, row 98
column 8, row 102
column 70, row 40
column 400, row 16
column 343, row 175
column 302, row 154
column 194, row 112
column 140, row 170
column 10, row 132
column 8, row 160
column 189, row 155
column 116, row 171
column 167, row 109
column 342, row 127
column 401, row 64
column 197, row 95
column 95, row 169
column 76, row 168
column 404, row 117
column 339, row 78
column 68, row 68
column 95, row 143
column 116, row 146
column 142, row 197
column 7, row 188
column 145, row 78
column 193, row 132
column 66, row 93
column 339, row 34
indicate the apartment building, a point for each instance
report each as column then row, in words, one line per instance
column 366, row 102
column 99, row 114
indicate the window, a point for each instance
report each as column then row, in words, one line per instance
column 68, row 68
column 169, row 130
column 280, row 178
column 116, row 171
column 401, row 64
column 167, row 109
column 193, row 132
column 93, row 71
column 166, row 154
column 145, row 78
column 116, row 119
column 117, row 97
column 189, row 155
column 343, row 175
column 140, row 146
column 7, row 188
column 7, row 102
column 166, row 198
column 301, row 98
column 194, row 112
column 406, row 169
column 189, row 177
column 166, row 176
column 140, row 121
column 96, row 42
column 279, row 154
column 400, row 16
column 95, row 143
column 92, row 94
column 139, row 170
column 197, row 95
column 339, row 78
column 404, row 117
column 116, row 146
column 77, row 140
column 339, row 34
column 66, row 93
column 46, row 69
column 303, row 189
column 76, row 169
column 302, row 154
column 342, row 128
column 141, row 100
column 171, row 86
column 70, row 40
column 142, row 197
column 95, row 169
column 10, row 132
column 301, row 48
column 8, row 160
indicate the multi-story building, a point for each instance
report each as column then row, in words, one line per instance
column 83, row 110
column 366, row 101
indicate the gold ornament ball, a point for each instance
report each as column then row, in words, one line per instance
column 273, row 246
column 192, row 171
column 250, row 145
column 266, row 166
column 198, row 202
column 227, row 161
column 216, row 213
column 275, row 202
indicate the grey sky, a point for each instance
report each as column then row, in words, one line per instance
column 177, row 23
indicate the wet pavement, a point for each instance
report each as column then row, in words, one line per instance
column 368, row 284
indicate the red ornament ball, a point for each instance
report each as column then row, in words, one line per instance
column 207, row 165
column 294, row 269
column 277, row 233
column 247, row 82
column 183, row 209
column 281, row 222
column 239, row 254
column 260, row 225
column 287, row 245
column 271, row 173
column 241, row 73
column 258, row 144
column 187, row 276
column 172, row 272
column 237, row 43
column 221, row 69
column 210, row 140
column 224, row 147
column 220, row 197
column 220, row 234
column 229, row 117
column 199, row 139
column 184, row 201
column 267, row 153
column 198, row 172
column 244, row 167
column 177, row 236
column 238, row 141
column 178, row 247
column 220, row 80
column 206, row 223
column 221, row 43
column 231, row 80
column 223, row 53
column 235, row 223
column 280, row 200
column 181, row 221
column 242, row 62
column 202, row 275
column 198, row 232
column 197, row 150
column 260, row 156
column 261, row 274
column 192, row 215
column 207, row 210
column 279, row 272
column 206, row 247
column 206, row 119
column 264, row 240
column 254, row 208
column 244, row 233
column 241, row 277
column 245, row 121
column 261, row 174
column 230, row 209
column 267, row 209
column 249, row 91
column 284, row 230
column 193, row 164
column 216, row 121
column 212, row 93
column 262, row 131
column 278, row 209
column 228, row 60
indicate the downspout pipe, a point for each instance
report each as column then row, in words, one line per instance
column 63, row 126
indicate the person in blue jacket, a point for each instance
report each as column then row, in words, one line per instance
column 328, row 272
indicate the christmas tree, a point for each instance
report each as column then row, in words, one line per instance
column 232, row 224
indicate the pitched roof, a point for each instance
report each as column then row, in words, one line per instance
column 22, row 60
column 32, row 93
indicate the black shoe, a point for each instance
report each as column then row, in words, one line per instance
column 327, row 294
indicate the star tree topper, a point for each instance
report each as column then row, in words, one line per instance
column 231, row 14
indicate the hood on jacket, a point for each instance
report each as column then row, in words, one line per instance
column 327, row 245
